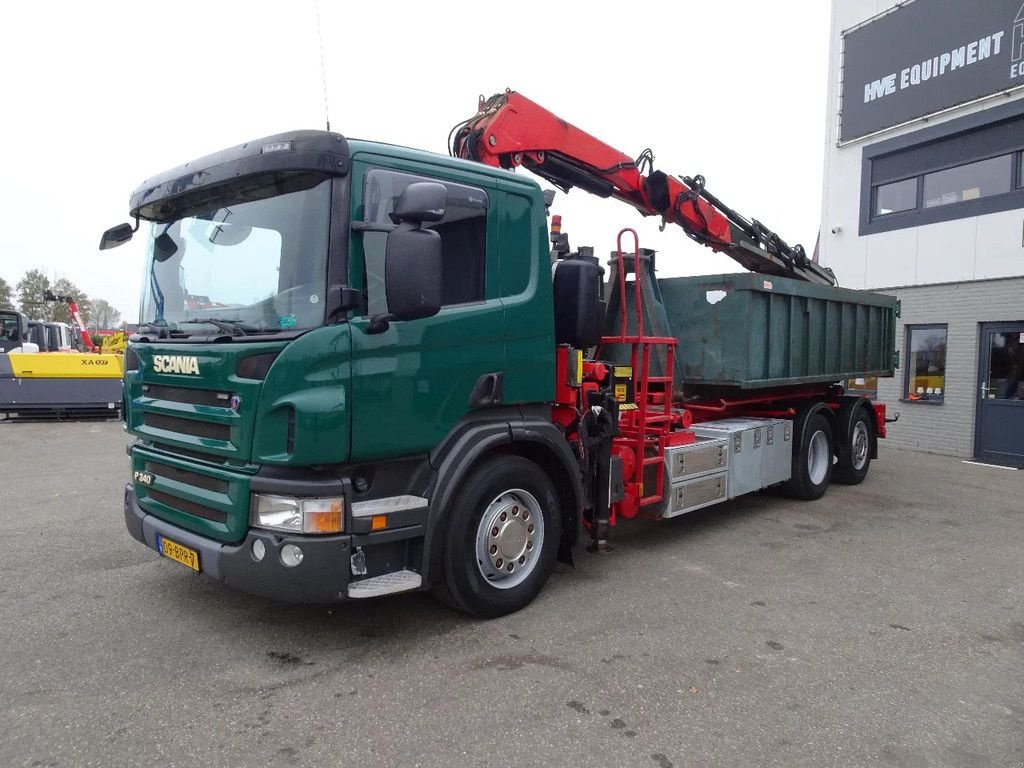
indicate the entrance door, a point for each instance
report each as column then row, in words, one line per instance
column 999, row 429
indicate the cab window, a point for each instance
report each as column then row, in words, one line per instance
column 463, row 233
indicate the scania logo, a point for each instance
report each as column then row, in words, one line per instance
column 175, row 364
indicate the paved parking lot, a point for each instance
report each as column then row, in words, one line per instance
column 880, row 626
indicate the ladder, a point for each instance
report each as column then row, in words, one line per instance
column 645, row 424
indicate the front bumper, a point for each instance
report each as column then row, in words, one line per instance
column 321, row 577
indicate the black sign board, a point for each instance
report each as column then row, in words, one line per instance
column 926, row 56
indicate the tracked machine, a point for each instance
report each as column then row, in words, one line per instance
column 47, row 375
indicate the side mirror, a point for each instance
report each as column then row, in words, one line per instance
column 163, row 248
column 116, row 236
column 412, row 273
column 419, row 202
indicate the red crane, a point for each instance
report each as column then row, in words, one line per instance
column 76, row 317
column 509, row 131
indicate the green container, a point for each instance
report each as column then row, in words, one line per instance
column 753, row 331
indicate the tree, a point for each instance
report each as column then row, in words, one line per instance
column 104, row 316
column 31, row 288
column 61, row 312
column 6, row 300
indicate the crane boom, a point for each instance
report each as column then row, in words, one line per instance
column 509, row 131
column 76, row 316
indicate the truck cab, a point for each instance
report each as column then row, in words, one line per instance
column 14, row 332
column 340, row 386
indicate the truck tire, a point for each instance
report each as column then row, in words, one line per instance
column 852, row 465
column 502, row 538
column 812, row 459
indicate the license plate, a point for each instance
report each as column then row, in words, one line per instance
column 178, row 552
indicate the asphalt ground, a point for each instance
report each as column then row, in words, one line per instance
column 880, row 626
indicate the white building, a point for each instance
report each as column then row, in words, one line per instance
column 924, row 199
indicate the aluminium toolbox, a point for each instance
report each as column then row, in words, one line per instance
column 698, row 474
column 760, row 451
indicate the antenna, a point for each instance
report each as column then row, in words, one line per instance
column 323, row 69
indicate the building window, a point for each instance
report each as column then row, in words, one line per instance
column 966, row 167
column 926, row 364
column 895, row 197
column 867, row 386
column 969, row 182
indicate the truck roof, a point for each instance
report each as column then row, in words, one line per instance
column 436, row 158
column 315, row 151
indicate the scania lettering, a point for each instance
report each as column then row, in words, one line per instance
column 172, row 364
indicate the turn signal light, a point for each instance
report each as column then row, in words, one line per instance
column 322, row 516
column 378, row 522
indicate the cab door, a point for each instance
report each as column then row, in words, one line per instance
column 412, row 382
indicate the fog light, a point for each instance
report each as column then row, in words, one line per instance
column 291, row 555
column 259, row 549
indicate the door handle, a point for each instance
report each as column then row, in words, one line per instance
column 984, row 390
column 488, row 390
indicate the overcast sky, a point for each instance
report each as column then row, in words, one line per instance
column 98, row 96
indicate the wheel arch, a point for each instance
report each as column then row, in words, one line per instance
column 479, row 438
column 804, row 414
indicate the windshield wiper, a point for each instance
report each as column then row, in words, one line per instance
column 162, row 330
column 233, row 327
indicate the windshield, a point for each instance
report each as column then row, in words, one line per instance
column 253, row 259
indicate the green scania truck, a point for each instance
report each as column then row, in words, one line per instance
column 363, row 369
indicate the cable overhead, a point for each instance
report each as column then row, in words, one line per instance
column 323, row 68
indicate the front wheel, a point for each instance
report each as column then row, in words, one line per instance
column 502, row 537
column 853, row 463
column 812, row 460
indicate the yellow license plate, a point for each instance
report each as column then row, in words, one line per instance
column 179, row 553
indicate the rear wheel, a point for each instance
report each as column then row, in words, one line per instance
column 854, row 461
column 502, row 538
column 812, row 459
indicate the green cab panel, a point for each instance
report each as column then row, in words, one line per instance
column 207, row 400
column 413, row 382
column 212, row 501
column 213, row 413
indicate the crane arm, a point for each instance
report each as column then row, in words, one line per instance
column 509, row 131
column 76, row 316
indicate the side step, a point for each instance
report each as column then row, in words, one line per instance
column 385, row 584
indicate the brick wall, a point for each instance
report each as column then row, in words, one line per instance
column 947, row 428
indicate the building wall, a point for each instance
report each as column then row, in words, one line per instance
column 947, row 428
column 973, row 248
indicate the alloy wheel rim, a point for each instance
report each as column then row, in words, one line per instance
column 818, row 457
column 509, row 538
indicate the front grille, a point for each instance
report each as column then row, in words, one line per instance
column 185, row 476
column 187, row 395
column 187, row 426
column 189, row 507
column 189, row 453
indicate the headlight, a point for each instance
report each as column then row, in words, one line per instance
column 294, row 515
